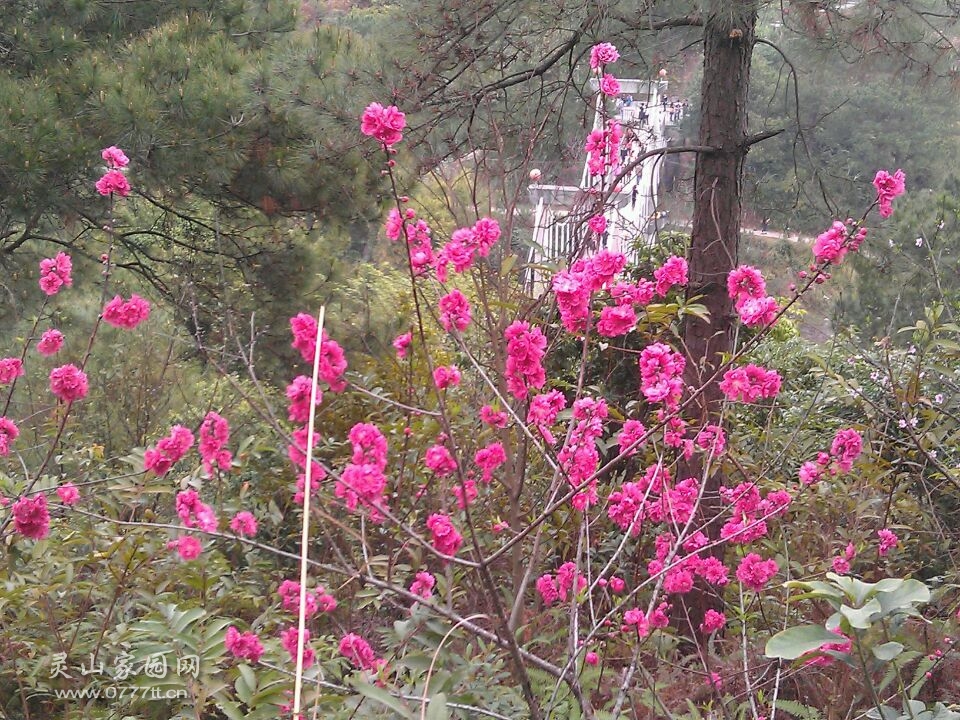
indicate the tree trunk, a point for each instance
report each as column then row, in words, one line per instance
column 728, row 41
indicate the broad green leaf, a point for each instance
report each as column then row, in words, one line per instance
column 438, row 710
column 887, row 651
column 231, row 709
column 381, row 696
column 863, row 617
column 793, row 642
column 249, row 676
column 908, row 593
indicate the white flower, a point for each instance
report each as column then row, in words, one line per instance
column 919, row 241
column 938, row 398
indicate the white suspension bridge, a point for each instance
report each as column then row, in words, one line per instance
column 560, row 231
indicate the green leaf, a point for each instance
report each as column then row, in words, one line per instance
column 909, row 593
column 244, row 690
column 887, row 651
column 798, row 710
column 438, row 709
column 863, row 617
column 793, row 642
column 381, row 696
column 231, row 709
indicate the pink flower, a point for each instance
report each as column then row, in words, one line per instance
column 317, row 475
column 572, row 292
column 673, row 272
column 363, row 484
column 547, row 588
column 494, row 418
column 446, row 539
column 597, row 223
column 127, row 314
column 368, row 444
column 297, row 450
column 194, row 513
column 617, row 320
column 526, row 346
column 603, row 54
column 888, row 540
column 543, row 412
column 245, row 647
column 113, row 181
column 298, row 393
column 754, row 572
column 440, row 461
column 10, row 369
column 745, row 282
column 458, row 252
column 289, row 592
column 68, row 494
column 843, row 646
column 678, row 580
column 383, row 123
column 631, row 436
column 114, row 157
column 846, row 448
column 244, row 523
column 609, row 85
column 50, row 342
column 8, row 433
column 639, row 294
column 214, row 435
column 486, row 232
column 55, row 273
column 712, row 439
column 713, row 571
column 602, row 148
column 68, row 383
column 888, row 187
column 168, row 451
column 569, row 580
column 661, row 374
column 401, row 343
column 465, row 493
column 750, row 383
column 358, row 651
column 810, row 473
column 423, row 585
column 290, row 638
column 636, row 617
column 454, row 311
column 591, row 658
column 333, row 363
column 394, row 224
column 444, row 377
column 840, row 565
column 188, row 547
column 758, row 312
column 601, row 269
column 489, row 458
column 831, row 246
column 31, row 518
column 712, row 621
